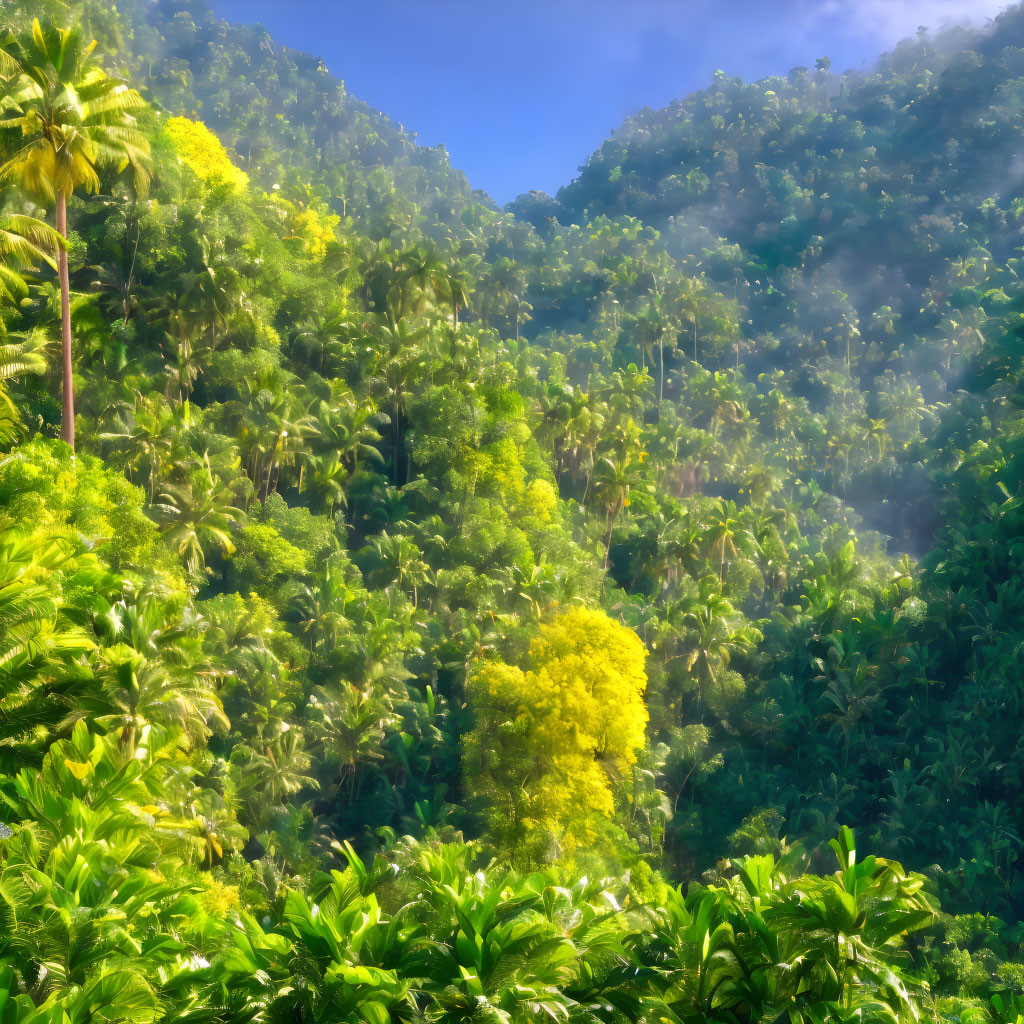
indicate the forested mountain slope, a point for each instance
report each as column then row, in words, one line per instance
column 283, row 114
column 514, row 565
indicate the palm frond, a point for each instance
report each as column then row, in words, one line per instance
column 25, row 356
column 27, row 241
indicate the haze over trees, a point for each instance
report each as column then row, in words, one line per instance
column 603, row 608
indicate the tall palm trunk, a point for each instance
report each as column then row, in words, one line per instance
column 608, row 538
column 270, row 470
column 661, row 373
column 67, row 430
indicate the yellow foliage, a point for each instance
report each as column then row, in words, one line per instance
column 503, row 472
column 78, row 768
column 202, row 152
column 541, row 500
column 315, row 227
column 546, row 739
column 219, row 898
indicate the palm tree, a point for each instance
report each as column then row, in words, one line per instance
column 211, row 290
column 37, row 636
column 198, row 509
column 210, row 825
column 422, row 273
column 327, row 480
column 347, row 427
column 722, row 529
column 714, row 634
column 139, row 693
column 267, row 777
column 653, row 326
column 272, row 425
column 455, row 288
column 629, row 389
column 24, row 242
column 399, row 562
column 769, row 938
column 853, row 692
column 17, row 358
column 319, row 606
column 615, row 477
column 74, row 119
column 322, row 337
column 351, row 724
column 877, row 438
column 691, row 298
column 403, row 358
column 145, row 442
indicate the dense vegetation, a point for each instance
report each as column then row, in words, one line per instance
column 414, row 610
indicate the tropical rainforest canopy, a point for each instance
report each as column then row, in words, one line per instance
column 608, row 608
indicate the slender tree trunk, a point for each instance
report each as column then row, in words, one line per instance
column 128, row 738
column 126, row 297
column 270, row 470
column 67, row 429
column 661, row 373
column 395, row 436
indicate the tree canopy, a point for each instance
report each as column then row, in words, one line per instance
column 427, row 611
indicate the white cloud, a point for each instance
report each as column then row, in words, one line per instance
column 889, row 21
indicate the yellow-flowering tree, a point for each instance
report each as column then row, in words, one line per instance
column 203, row 153
column 548, row 741
column 315, row 227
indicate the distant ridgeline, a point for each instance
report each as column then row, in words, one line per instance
column 513, row 565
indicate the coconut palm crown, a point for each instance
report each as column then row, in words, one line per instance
column 73, row 119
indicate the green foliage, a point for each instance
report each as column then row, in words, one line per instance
column 43, row 484
column 587, row 529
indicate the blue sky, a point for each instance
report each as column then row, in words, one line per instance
column 522, row 91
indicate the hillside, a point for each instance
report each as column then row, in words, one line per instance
column 418, row 592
